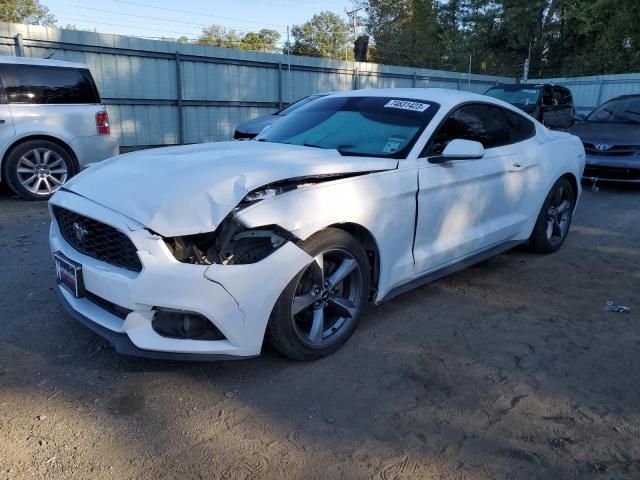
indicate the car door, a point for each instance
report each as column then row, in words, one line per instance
column 7, row 132
column 467, row 206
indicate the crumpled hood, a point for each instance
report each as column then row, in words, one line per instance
column 190, row 189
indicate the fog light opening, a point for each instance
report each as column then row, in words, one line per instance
column 184, row 325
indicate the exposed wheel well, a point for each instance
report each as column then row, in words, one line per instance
column 573, row 181
column 48, row 138
column 370, row 246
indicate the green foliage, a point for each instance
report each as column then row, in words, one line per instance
column 25, row 11
column 564, row 37
column 325, row 35
column 264, row 41
column 406, row 32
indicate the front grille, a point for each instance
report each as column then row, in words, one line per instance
column 96, row 239
column 606, row 173
column 613, row 150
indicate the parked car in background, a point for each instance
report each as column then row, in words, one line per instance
column 249, row 129
column 611, row 138
column 355, row 197
column 52, row 124
column 551, row 105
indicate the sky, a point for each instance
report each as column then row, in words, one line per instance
column 169, row 18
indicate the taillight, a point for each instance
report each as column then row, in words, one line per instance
column 102, row 122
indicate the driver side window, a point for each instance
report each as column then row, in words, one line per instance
column 481, row 123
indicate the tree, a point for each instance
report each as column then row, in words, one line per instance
column 325, row 35
column 406, row 32
column 219, row 36
column 31, row 12
column 264, row 41
column 561, row 37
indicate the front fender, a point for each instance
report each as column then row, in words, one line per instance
column 384, row 203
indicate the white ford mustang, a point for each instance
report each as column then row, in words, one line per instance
column 205, row 250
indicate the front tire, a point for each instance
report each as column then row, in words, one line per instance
column 320, row 308
column 36, row 169
column 554, row 219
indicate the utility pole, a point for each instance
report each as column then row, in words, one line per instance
column 527, row 64
column 354, row 20
column 289, row 86
column 469, row 80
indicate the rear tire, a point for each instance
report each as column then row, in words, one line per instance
column 36, row 169
column 320, row 308
column 554, row 219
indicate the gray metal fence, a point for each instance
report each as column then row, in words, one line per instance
column 164, row 93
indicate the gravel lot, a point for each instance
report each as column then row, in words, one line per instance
column 507, row 370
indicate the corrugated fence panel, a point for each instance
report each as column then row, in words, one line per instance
column 138, row 81
column 144, row 124
column 211, row 124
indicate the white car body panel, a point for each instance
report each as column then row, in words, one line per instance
column 341, row 202
column 214, row 178
column 455, row 210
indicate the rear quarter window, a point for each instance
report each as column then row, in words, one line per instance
column 34, row 84
column 520, row 128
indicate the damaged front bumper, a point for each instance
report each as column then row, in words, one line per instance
column 236, row 299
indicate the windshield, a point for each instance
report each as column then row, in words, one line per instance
column 298, row 104
column 623, row 110
column 516, row 95
column 368, row 126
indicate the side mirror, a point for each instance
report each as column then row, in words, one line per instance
column 459, row 149
column 579, row 117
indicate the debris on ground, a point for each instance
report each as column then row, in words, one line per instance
column 611, row 307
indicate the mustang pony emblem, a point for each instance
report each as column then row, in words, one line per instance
column 79, row 231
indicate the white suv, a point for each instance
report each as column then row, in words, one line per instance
column 52, row 124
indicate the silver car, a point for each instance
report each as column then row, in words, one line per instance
column 52, row 124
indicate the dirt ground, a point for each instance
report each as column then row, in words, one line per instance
column 507, row 370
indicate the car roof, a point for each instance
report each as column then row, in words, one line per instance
column 625, row 97
column 45, row 62
column 446, row 97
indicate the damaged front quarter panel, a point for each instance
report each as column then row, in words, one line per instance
column 272, row 273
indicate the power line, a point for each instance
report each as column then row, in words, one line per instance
column 129, row 26
column 144, row 16
column 200, row 14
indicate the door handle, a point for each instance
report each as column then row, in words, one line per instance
column 517, row 167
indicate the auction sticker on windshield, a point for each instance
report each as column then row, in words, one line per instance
column 407, row 105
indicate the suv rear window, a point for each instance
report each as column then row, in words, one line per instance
column 48, row 85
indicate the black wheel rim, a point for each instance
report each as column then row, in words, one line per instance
column 327, row 298
column 558, row 215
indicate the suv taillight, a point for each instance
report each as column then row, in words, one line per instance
column 102, row 122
